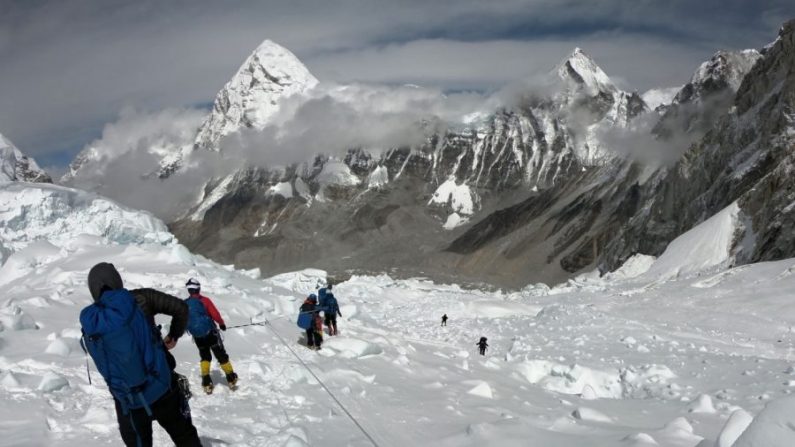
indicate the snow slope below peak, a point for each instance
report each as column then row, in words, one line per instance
column 61, row 215
column 706, row 246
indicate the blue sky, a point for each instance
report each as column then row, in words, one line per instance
column 69, row 68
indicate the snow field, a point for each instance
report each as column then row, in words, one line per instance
column 629, row 359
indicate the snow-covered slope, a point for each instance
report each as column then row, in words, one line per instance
column 251, row 98
column 16, row 166
column 709, row 245
column 59, row 215
column 628, row 361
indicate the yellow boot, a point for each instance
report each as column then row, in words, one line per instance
column 231, row 376
column 207, row 382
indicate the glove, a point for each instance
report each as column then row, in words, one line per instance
column 223, row 327
column 169, row 342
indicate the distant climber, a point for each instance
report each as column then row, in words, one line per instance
column 482, row 345
column 203, row 316
column 127, row 349
column 308, row 316
column 444, row 320
column 331, row 310
column 323, row 292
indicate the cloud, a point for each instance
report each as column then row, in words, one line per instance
column 69, row 67
column 337, row 118
column 121, row 164
column 660, row 141
column 491, row 64
column 124, row 162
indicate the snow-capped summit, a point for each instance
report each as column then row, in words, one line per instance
column 581, row 70
column 709, row 93
column 725, row 69
column 252, row 96
column 16, row 166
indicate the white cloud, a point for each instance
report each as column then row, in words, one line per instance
column 67, row 67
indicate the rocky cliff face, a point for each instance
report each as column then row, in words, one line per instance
column 602, row 217
column 747, row 157
column 16, row 166
column 708, row 95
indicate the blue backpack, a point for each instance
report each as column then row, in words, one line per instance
column 199, row 322
column 321, row 296
column 126, row 350
column 332, row 306
column 306, row 320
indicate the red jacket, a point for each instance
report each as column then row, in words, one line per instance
column 211, row 310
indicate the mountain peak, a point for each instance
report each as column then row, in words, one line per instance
column 272, row 56
column 579, row 68
column 16, row 166
column 251, row 98
column 724, row 70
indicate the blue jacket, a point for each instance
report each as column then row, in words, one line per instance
column 321, row 296
column 332, row 307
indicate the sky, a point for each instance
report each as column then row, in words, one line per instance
column 67, row 69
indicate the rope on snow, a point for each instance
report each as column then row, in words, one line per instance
column 333, row 397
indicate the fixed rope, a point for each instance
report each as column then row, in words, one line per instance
column 345, row 410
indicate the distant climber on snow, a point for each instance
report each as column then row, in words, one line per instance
column 331, row 308
column 324, row 291
column 482, row 345
column 444, row 320
column 308, row 316
column 120, row 335
column 202, row 326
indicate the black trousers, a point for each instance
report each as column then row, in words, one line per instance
column 313, row 338
column 331, row 322
column 171, row 411
column 211, row 343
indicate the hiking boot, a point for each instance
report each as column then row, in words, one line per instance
column 231, row 379
column 207, row 384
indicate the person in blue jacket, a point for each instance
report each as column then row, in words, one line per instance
column 323, row 292
column 331, row 310
column 306, row 321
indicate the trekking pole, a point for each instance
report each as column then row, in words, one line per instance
column 85, row 351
